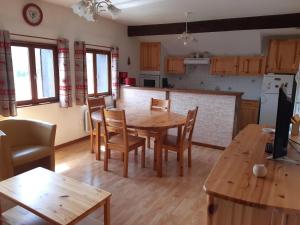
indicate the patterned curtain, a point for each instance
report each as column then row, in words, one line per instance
column 80, row 72
column 7, row 85
column 115, row 73
column 65, row 86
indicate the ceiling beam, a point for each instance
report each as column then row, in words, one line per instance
column 244, row 23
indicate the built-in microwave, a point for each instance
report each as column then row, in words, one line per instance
column 146, row 80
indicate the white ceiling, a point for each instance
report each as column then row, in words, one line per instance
column 142, row 12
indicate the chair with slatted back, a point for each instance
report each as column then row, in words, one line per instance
column 155, row 105
column 182, row 141
column 94, row 108
column 115, row 122
column 160, row 105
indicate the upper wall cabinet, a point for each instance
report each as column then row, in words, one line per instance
column 224, row 65
column 251, row 65
column 283, row 56
column 174, row 65
column 150, row 56
column 238, row 65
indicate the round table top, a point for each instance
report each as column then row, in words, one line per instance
column 149, row 119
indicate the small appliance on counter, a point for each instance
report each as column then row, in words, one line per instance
column 150, row 79
column 165, row 83
column 130, row 81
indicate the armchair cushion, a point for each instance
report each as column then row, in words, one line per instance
column 29, row 153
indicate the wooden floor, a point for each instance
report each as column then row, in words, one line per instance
column 143, row 199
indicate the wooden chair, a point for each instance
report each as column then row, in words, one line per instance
column 155, row 105
column 94, row 106
column 174, row 143
column 115, row 122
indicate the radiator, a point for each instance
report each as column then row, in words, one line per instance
column 86, row 121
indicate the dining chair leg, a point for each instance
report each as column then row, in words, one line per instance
column 98, row 142
column 106, row 159
column 92, row 142
column 178, row 156
column 122, row 156
column 125, row 170
column 148, row 141
column 109, row 153
column 166, row 155
column 190, row 156
column 143, row 156
column 159, row 154
column 181, row 163
column 154, row 155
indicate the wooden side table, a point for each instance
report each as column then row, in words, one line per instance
column 51, row 198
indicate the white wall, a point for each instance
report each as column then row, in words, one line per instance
column 61, row 22
column 249, row 42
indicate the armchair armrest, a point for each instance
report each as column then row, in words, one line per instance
column 44, row 133
column 6, row 169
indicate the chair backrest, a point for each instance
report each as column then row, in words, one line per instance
column 189, row 125
column 160, row 105
column 95, row 105
column 115, row 122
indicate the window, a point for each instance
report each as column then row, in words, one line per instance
column 35, row 73
column 98, row 72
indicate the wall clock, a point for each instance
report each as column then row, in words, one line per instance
column 32, row 14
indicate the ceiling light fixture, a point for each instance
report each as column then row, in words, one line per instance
column 185, row 36
column 91, row 9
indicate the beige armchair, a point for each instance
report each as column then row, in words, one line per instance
column 24, row 145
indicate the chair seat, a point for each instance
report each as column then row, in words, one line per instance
column 130, row 131
column 171, row 140
column 132, row 140
column 101, row 131
column 29, row 153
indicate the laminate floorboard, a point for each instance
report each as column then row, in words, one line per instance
column 143, row 198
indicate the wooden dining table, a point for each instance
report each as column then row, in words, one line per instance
column 150, row 120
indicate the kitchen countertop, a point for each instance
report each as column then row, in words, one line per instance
column 196, row 91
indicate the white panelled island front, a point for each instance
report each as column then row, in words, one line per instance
column 218, row 115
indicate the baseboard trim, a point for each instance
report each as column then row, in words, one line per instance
column 209, row 145
column 87, row 137
column 71, row 142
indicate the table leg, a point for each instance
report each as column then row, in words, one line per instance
column 1, row 211
column 98, row 141
column 179, row 132
column 159, row 154
column 107, row 212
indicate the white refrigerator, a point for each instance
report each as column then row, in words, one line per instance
column 269, row 96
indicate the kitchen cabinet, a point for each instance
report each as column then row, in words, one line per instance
column 174, row 65
column 251, row 65
column 224, row 65
column 283, row 56
column 150, row 56
column 248, row 112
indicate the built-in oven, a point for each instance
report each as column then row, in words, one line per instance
column 146, row 80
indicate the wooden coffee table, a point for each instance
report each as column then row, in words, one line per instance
column 54, row 198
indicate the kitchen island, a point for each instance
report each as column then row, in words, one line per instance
column 237, row 197
column 218, row 116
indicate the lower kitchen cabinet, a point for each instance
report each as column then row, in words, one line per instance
column 248, row 112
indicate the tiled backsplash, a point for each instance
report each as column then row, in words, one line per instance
column 197, row 77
